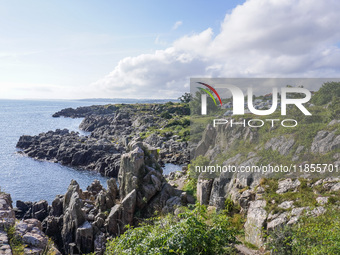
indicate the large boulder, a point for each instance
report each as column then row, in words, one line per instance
column 256, row 219
column 122, row 214
column 203, row 190
column 131, row 170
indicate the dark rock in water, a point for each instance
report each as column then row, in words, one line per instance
column 84, row 111
column 70, row 149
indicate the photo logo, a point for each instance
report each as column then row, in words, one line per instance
column 238, row 103
column 204, row 96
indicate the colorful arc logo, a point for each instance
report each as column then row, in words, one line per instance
column 208, row 92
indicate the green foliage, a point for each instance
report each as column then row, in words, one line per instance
column 166, row 115
column 15, row 242
column 189, row 233
column 185, row 98
column 303, row 197
column 313, row 235
column 335, row 108
column 228, row 205
column 326, row 93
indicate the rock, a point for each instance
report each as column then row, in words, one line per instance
column 73, row 218
column 4, row 244
column 208, row 139
column 57, row 206
column 131, row 169
column 317, row 211
column 298, row 211
column 245, row 199
column 204, row 190
column 281, row 144
column 287, row 185
column 99, row 243
column 293, row 220
column 324, row 142
column 286, row 204
column 278, row 221
column 35, row 240
column 336, row 187
column 7, row 215
column 122, row 214
column 322, row 200
column 256, row 218
column 84, row 238
column 40, row 210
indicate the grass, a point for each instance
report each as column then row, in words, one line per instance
column 15, row 242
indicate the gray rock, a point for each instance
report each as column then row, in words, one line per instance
column 281, row 144
column 293, row 220
column 35, row 240
column 324, row 142
column 121, row 214
column 322, row 200
column 4, row 244
column 287, row 185
column 73, row 218
column 317, row 211
column 278, row 221
column 204, row 190
column 130, row 170
column 336, row 187
column 84, row 238
column 298, row 211
column 255, row 223
column 286, row 204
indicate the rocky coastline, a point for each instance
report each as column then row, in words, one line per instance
column 111, row 127
column 132, row 142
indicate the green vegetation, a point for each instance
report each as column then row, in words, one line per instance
column 191, row 185
column 15, row 242
column 303, row 197
column 313, row 235
column 326, row 93
column 191, row 232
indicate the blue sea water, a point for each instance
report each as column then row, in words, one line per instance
column 28, row 179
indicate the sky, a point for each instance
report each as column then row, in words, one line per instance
column 150, row 49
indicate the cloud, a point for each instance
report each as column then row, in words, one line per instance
column 177, row 25
column 261, row 38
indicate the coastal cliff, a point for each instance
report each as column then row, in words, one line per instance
column 164, row 126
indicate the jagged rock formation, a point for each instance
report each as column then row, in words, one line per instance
column 248, row 190
column 70, row 149
column 28, row 233
column 111, row 130
column 81, row 221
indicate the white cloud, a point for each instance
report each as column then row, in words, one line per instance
column 177, row 25
column 261, row 38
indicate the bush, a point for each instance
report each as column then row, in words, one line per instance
column 313, row 235
column 189, row 233
column 326, row 93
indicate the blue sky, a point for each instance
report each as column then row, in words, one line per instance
column 150, row 49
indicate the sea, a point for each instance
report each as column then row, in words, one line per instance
column 27, row 179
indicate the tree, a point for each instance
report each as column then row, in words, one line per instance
column 186, row 98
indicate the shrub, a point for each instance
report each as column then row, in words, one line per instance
column 189, row 233
column 326, row 92
column 313, row 235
